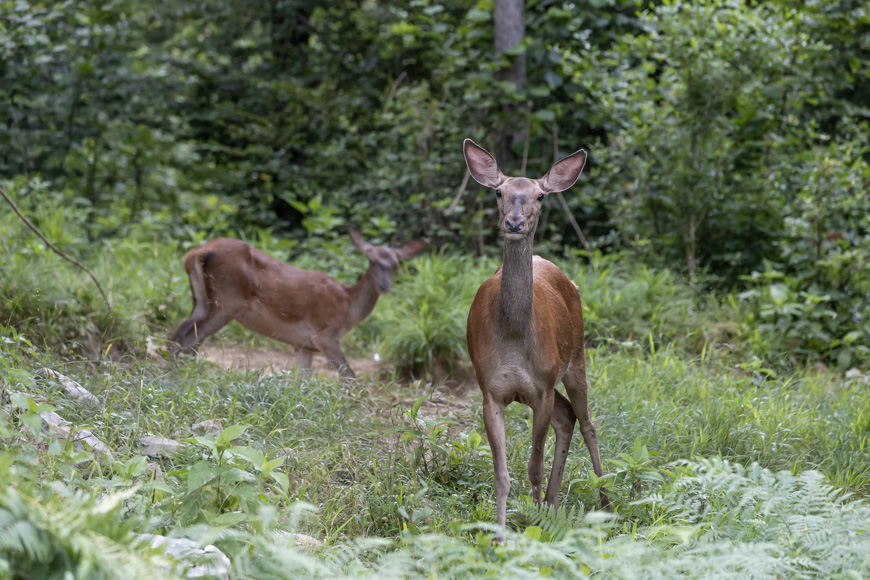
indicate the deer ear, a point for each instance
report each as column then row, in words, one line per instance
column 358, row 241
column 410, row 250
column 564, row 173
column 482, row 166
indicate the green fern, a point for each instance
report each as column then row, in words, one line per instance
column 555, row 523
column 79, row 535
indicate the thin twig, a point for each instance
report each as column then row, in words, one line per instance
column 528, row 138
column 54, row 248
column 393, row 90
column 571, row 219
column 459, row 193
column 583, row 241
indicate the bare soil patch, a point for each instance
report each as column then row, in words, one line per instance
column 268, row 361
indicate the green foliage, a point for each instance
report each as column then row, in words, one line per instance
column 421, row 324
column 694, row 134
column 436, row 454
column 61, row 533
column 628, row 303
column 221, row 490
column 812, row 300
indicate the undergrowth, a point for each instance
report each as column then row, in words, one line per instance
column 395, row 484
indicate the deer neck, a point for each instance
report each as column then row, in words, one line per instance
column 363, row 296
column 517, row 289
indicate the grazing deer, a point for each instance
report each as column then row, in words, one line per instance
column 525, row 331
column 230, row 280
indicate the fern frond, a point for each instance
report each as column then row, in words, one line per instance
column 555, row 523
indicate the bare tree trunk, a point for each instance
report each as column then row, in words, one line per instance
column 510, row 28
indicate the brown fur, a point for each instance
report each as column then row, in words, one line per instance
column 230, row 280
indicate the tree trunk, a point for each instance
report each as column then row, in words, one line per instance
column 510, row 27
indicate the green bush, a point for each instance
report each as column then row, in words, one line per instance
column 627, row 302
column 421, row 323
column 812, row 301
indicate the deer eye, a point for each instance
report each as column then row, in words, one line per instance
column 541, row 197
column 498, row 193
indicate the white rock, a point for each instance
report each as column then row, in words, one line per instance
column 158, row 446
column 216, row 564
column 298, row 539
column 74, row 389
column 213, row 426
column 58, row 428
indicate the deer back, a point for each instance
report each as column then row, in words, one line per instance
column 237, row 274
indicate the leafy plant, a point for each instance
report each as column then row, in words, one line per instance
column 436, row 453
column 220, row 490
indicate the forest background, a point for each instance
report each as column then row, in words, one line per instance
column 728, row 140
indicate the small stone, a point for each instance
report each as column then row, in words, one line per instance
column 154, row 468
column 212, row 426
column 58, row 428
column 72, row 388
column 299, row 539
column 158, row 446
column 182, row 549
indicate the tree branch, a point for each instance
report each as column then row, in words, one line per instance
column 54, row 248
column 583, row 241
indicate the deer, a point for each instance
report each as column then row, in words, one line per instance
column 230, row 280
column 525, row 332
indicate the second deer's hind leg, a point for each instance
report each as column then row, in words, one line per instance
column 196, row 329
column 563, row 424
column 184, row 335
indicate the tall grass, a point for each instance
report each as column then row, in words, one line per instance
column 402, row 493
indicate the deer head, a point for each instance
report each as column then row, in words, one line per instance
column 383, row 259
column 520, row 199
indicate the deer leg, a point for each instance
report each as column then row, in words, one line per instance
column 493, row 421
column 330, row 346
column 542, row 413
column 575, row 385
column 303, row 360
column 194, row 331
column 177, row 343
column 180, row 336
column 563, row 424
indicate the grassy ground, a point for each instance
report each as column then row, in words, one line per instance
column 373, row 464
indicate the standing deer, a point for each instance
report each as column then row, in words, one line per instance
column 525, row 331
column 230, row 280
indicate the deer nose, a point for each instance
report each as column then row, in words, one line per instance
column 514, row 225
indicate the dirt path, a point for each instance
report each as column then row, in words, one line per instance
column 269, row 361
column 447, row 399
